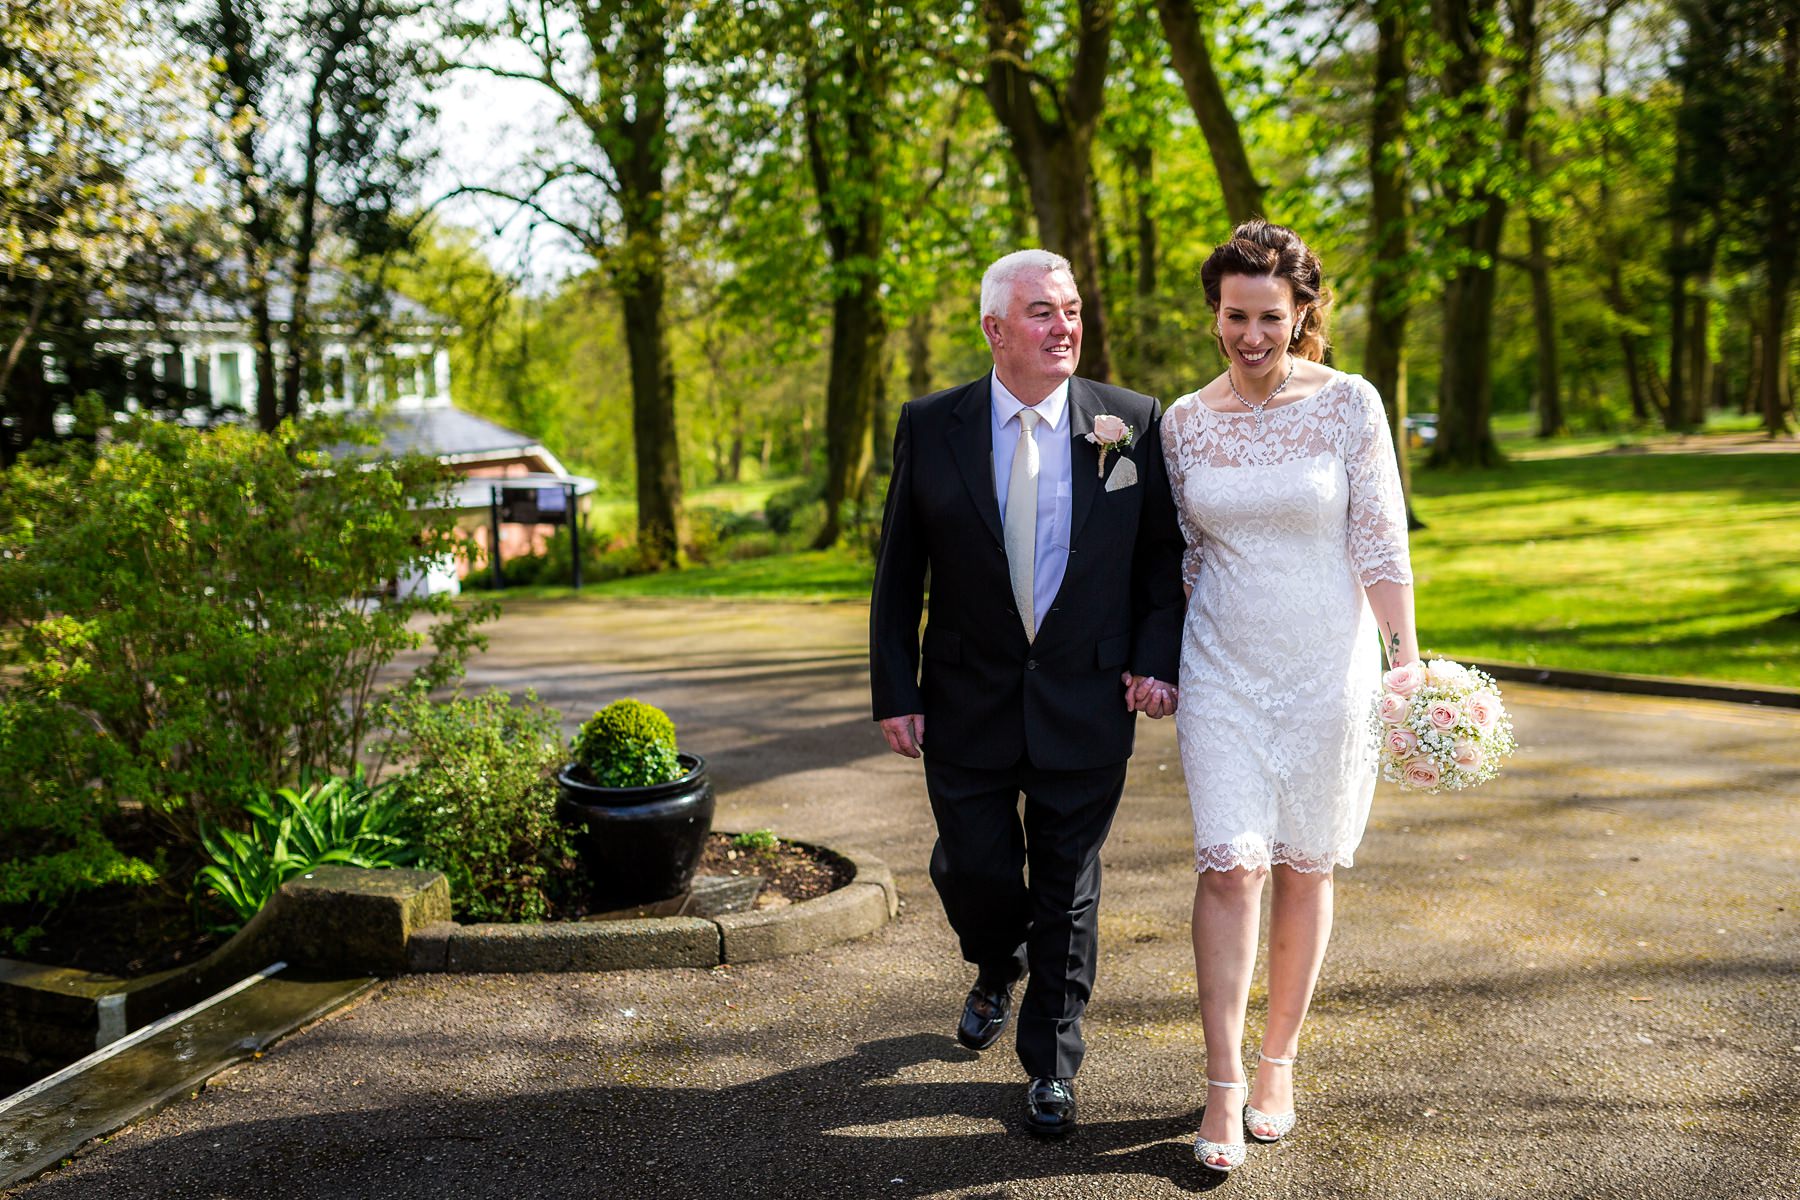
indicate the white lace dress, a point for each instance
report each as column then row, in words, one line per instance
column 1286, row 520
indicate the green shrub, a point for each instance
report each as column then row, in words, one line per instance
column 628, row 744
column 604, row 555
column 792, row 506
column 757, row 841
column 340, row 821
column 483, row 801
column 53, row 844
column 202, row 607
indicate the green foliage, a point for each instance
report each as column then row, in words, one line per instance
column 788, row 507
column 756, row 841
column 628, row 744
column 338, row 821
column 195, row 615
column 482, row 800
column 53, row 844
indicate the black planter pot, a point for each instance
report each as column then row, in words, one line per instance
column 639, row 844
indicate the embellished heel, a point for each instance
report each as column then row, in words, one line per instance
column 1231, row 1152
column 1279, row 1125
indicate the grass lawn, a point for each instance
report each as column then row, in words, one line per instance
column 1651, row 564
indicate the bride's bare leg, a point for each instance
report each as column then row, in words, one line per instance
column 1299, row 927
column 1226, row 907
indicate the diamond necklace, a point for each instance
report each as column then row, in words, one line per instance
column 1257, row 409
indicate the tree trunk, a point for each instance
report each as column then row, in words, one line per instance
column 847, row 178
column 1191, row 56
column 638, row 150
column 1681, row 384
column 300, row 349
column 1147, row 351
column 880, row 421
column 34, row 315
column 1056, row 155
column 918, row 356
column 1384, row 361
column 1700, row 364
column 1773, row 389
column 659, row 519
column 1465, row 385
column 1543, row 312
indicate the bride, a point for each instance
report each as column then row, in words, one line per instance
column 1284, row 473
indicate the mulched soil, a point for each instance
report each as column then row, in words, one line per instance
column 139, row 931
column 791, row 872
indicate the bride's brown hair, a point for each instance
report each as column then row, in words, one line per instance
column 1259, row 247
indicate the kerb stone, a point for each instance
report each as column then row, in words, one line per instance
column 350, row 919
column 584, row 945
column 850, row 912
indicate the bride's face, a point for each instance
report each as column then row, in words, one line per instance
column 1256, row 323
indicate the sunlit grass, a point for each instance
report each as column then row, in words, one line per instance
column 1654, row 564
column 807, row 575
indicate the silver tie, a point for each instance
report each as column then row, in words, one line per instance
column 1021, row 520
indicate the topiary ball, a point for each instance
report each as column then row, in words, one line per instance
column 628, row 744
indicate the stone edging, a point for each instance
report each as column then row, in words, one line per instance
column 1642, row 685
column 855, row 910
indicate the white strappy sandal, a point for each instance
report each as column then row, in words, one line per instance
column 1231, row 1152
column 1281, row 1124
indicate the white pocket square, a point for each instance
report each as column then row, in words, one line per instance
column 1124, row 475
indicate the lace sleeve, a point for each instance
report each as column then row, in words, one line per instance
column 1377, row 525
column 1178, row 458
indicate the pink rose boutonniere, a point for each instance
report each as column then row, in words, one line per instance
column 1110, row 433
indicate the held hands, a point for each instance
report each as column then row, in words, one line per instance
column 1150, row 696
column 904, row 734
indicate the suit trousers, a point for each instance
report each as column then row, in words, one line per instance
column 1023, row 893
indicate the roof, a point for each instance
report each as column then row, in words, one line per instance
column 449, row 432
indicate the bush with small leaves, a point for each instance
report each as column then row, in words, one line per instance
column 628, row 744
column 483, row 800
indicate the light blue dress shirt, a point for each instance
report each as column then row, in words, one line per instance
column 1051, row 557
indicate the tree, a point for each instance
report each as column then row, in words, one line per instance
column 847, row 75
column 1391, row 266
column 1487, row 67
column 1740, row 69
column 76, row 112
column 607, row 63
column 338, row 157
column 1191, row 56
column 1050, row 124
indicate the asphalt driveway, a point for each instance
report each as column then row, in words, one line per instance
column 1579, row 981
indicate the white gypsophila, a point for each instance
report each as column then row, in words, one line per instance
column 1434, row 741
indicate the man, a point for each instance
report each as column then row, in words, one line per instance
column 1037, row 505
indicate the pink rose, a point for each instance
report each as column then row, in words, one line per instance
column 1485, row 710
column 1402, row 743
column 1392, row 708
column 1405, row 679
column 1421, row 773
column 1443, row 715
column 1468, row 755
column 1108, row 429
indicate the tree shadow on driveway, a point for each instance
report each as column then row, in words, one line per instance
column 854, row 1126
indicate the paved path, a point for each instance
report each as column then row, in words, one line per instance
column 1577, row 982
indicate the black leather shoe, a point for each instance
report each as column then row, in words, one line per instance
column 1050, row 1106
column 984, row 1015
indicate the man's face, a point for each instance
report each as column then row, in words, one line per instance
column 1037, row 344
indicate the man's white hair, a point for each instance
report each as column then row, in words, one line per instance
column 996, row 284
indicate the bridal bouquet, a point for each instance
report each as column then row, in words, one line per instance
column 1441, row 726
